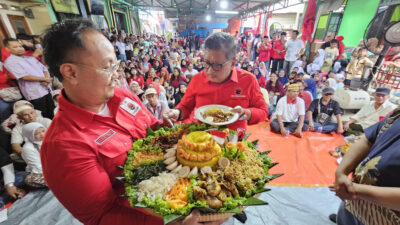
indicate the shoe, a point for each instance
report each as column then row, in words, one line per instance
column 332, row 217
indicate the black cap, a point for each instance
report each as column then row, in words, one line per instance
column 328, row 90
column 384, row 91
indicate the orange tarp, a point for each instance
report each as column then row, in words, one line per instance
column 304, row 161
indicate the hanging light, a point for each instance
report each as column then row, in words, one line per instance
column 224, row 4
column 208, row 18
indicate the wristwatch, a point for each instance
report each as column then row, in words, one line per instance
column 11, row 184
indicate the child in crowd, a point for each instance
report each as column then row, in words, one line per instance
column 34, row 134
column 299, row 64
column 339, row 80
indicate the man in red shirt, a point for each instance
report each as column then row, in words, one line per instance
column 278, row 53
column 93, row 129
column 222, row 83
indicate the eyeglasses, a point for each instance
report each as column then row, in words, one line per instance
column 215, row 66
column 109, row 71
column 328, row 94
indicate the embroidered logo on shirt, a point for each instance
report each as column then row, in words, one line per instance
column 238, row 93
column 130, row 106
column 100, row 140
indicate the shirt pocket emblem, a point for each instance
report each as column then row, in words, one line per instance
column 130, row 106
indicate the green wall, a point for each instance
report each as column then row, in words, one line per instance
column 356, row 17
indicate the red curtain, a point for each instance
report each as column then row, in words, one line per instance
column 308, row 21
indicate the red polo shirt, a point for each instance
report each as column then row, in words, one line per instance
column 241, row 89
column 306, row 96
column 80, row 155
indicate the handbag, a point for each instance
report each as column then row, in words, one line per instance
column 322, row 118
column 10, row 94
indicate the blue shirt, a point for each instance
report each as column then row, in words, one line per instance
column 381, row 167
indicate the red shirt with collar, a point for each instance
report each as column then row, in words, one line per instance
column 139, row 79
column 241, row 89
column 80, row 154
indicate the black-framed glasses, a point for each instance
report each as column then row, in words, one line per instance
column 215, row 66
column 109, row 71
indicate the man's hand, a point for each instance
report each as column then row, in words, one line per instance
column 15, row 192
column 344, row 187
column 284, row 132
column 241, row 111
column 311, row 125
column 340, row 130
column 37, row 52
column 47, row 80
column 193, row 219
column 298, row 133
column 171, row 114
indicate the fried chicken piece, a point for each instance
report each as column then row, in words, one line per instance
column 214, row 202
column 230, row 187
column 199, row 193
column 213, row 188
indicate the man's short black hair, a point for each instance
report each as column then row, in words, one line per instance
column 61, row 39
column 296, row 32
column 8, row 40
column 283, row 33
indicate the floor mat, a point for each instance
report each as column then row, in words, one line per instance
column 304, row 161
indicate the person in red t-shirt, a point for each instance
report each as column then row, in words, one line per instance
column 93, row 129
column 278, row 53
column 305, row 95
column 222, row 83
column 136, row 77
column 265, row 52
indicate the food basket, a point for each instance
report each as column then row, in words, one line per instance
column 172, row 171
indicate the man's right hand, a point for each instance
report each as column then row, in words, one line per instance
column 171, row 114
column 15, row 192
column 283, row 131
column 37, row 52
column 47, row 80
column 311, row 126
column 193, row 219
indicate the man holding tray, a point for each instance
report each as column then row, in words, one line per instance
column 93, row 129
column 222, row 83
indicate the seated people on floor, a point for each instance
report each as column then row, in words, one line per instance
column 26, row 114
column 155, row 105
column 34, row 134
column 33, row 77
column 370, row 113
column 320, row 112
column 290, row 112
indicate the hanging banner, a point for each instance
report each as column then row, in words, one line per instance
column 233, row 26
column 308, row 21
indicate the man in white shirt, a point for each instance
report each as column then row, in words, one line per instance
column 121, row 48
column 294, row 48
column 190, row 71
column 371, row 113
column 290, row 113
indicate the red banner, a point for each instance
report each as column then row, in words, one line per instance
column 268, row 15
column 308, row 21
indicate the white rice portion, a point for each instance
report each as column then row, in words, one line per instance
column 157, row 186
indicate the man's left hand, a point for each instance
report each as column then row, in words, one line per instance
column 340, row 130
column 298, row 133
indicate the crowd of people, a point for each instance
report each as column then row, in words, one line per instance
column 167, row 77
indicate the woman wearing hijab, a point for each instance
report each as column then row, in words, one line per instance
column 135, row 88
column 317, row 63
column 34, row 134
column 164, row 75
column 259, row 76
column 299, row 64
column 311, row 87
column 264, row 71
column 282, row 77
column 330, row 82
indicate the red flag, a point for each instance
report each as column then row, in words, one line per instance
column 259, row 24
column 266, row 24
column 308, row 21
